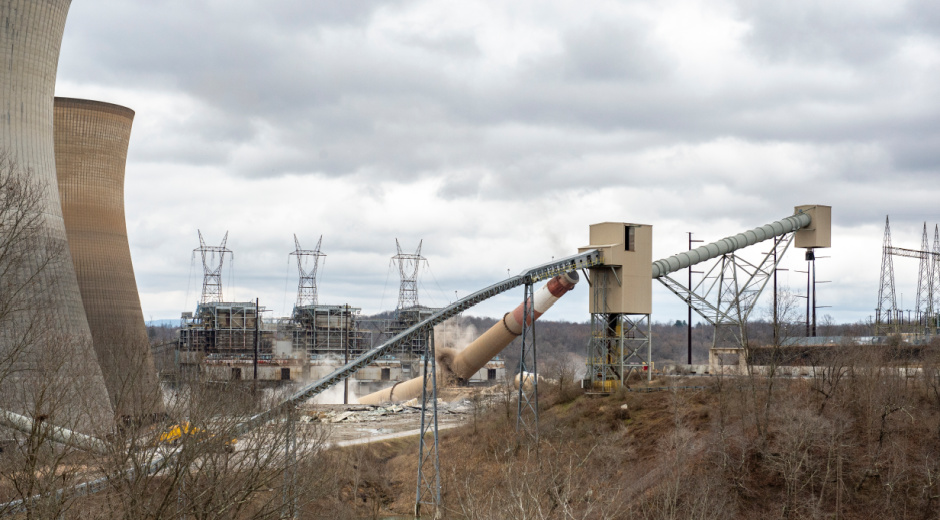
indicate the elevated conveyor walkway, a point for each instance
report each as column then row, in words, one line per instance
column 533, row 275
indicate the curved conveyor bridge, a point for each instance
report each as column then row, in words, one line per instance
column 535, row 274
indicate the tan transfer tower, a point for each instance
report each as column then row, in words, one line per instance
column 620, row 303
column 628, row 255
column 91, row 139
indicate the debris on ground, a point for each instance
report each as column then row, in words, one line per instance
column 358, row 421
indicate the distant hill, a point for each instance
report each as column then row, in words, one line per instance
column 164, row 323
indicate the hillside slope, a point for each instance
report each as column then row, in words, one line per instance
column 857, row 442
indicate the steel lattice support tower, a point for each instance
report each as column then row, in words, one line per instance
column 620, row 343
column 308, row 260
column 605, row 348
column 727, row 294
column 212, row 260
column 730, row 328
column 429, row 461
column 527, row 416
column 887, row 305
column 408, row 266
column 924, row 306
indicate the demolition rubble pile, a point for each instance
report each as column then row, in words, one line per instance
column 361, row 413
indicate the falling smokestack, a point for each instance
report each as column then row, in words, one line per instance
column 478, row 353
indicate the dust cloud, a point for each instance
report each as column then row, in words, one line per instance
column 455, row 333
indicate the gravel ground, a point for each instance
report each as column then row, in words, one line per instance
column 356, row 424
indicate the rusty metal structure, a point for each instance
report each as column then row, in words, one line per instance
column 328, row 330
column 91, row 139
column 43, row 315
column 225, row 329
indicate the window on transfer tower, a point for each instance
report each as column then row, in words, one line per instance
column 628, row 238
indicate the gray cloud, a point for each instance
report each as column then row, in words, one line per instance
column 485, row 127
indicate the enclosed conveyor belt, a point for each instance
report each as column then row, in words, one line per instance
column 729, row 244
column 55, row 433
column 535, row 274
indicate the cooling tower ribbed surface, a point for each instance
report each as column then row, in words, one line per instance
column 46, row 321
column 91, row 139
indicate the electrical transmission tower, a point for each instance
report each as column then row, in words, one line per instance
column 935, row 278
column 408, row 265
column 924, row 306
column 307, row 262
column 212, row 259
column 887, row 305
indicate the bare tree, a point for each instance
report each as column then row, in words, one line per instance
column 40, row 375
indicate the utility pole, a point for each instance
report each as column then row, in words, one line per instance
column 813, row 262
column 809, row 290
column 776, row 308
column 776, row 318
column 816, row 282
column 257, row 335
column 346, row 351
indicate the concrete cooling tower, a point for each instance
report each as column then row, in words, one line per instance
column 44, row 333
column 91, row 139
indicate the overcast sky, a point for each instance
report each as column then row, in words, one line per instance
column 496, row 132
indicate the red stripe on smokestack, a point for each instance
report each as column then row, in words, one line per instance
column 544, row 299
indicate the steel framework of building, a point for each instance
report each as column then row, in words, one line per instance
column 225, row 328
column 620, row 344
column 328, row 330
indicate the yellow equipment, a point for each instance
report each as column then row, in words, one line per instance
column 175, row 434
